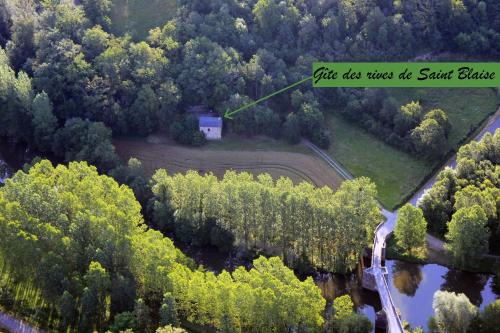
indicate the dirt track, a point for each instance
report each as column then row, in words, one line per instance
column 176, row 159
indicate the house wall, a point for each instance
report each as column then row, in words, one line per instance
column 212, row 133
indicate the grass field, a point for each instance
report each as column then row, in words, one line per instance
column 137, row 17
column 256, row 157
column 397, row 173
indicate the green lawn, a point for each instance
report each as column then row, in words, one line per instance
column 137, row 17
column 396, row 173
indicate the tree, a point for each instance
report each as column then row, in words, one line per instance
column 97, row 285
column 468, row 235
column 5, row 23
column 170, row 329
column 44, row 122
column 123, row 321
column 429, row 138
column 291, row 129
column 355, row 323
column 142, row 116
column 83, row 233
column 16, row 96
column 452, row 312
column 95, row 41
column 408, row 117
column 342, row 307
column 147, row 63
column 67, row 309
column 442, row 119
column 168, row 311
column 142, row 315
column 490, row 318
column 471, row 195
column 21, row 46
column 83, row 140
column 411, row 228
column 164, row 37
column 98, row 11
column 207, row 72
column 345, row 320
column 61, row 70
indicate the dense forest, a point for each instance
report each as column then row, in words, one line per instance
column 222, row 54
column 463, row 203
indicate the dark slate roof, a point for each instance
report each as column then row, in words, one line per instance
column 206, row 121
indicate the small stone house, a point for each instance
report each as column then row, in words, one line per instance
column 211, row 126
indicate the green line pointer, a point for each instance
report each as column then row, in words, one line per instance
column 229, row 114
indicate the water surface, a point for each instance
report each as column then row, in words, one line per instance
column 413, row 286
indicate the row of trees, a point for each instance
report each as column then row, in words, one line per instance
column 463, row 202
column 80, row 239
column 328, row 229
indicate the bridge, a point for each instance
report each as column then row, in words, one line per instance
column 375, row 277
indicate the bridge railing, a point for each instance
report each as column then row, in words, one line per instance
column 386, row 286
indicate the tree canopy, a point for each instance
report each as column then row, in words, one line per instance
column 329, row 228
column 467, row 197
column 80, row 237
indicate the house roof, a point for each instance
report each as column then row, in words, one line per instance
column 206, row 121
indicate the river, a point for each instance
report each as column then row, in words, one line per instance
column 412, row 287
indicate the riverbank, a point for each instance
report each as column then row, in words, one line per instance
column 435, row 253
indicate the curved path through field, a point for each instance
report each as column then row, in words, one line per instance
column 385, row 228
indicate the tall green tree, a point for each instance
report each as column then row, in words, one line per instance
column 429, row 138
column 468, row 235
column 411, row 228
column 44, row 122
column 408, row 117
